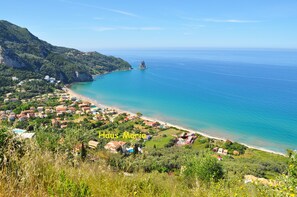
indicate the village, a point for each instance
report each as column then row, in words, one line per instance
column 59, row 110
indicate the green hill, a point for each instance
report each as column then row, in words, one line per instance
column 22, row 50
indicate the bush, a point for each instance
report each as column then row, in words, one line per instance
column 68, row 187
column 204, row 169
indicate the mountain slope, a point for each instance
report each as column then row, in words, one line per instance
column 22, row 50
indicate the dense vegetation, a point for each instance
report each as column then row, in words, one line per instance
column 46, row 166
column 31, row 85
column 21, row 49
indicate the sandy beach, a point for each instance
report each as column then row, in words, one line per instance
column 100, row 105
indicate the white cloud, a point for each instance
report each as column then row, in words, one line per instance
column 126, row 28
column 122, row 12
column 213, row 20
column 229, row 20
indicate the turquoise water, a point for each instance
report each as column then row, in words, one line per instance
column 248, row 96
column 19, row 131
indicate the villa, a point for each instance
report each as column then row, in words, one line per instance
column 114, row 146
column 93, row 144
column 61, row 109
column 40, row 109
column 150, row 123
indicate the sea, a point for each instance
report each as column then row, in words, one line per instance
column 245, row 95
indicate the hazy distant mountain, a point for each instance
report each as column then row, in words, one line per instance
column 23, row 51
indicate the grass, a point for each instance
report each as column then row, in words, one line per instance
column 162, row 138
column 43, row 173
column 40, row 172
column 258, row 163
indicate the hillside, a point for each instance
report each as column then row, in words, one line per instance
column 22, row 50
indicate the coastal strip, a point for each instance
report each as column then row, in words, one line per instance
column 118, row 110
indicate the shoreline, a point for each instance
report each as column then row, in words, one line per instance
column 100, row 105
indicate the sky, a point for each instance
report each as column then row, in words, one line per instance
column 134, row 24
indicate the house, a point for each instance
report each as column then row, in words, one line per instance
column 84, row 104
column 48, row 110
column 40, row 109
column 27, row 112
column 3, row 117
column 8, row 95
column 220, row 151
column 93, row 144
column 63, row 124
column 72, row 109
column 94, row 109
column 56, row 122
column 114, row 146
column 22, row 118
column 14, row 78
column 77, row 148
column 85, row 109
column 190, row 140
column 26, row 135
column 78, row 112
column 11, row 118
column 32, row 109
column 186, row 138
column 14, row 100
column 64, row 98
column 215, row 149
column 225, row 152
column 180, row 142
column 61, row 109
column 52, row 80
column 98, row 117
column 30, row 115
column 163, row 126
column 150, row 123
column 87, row 103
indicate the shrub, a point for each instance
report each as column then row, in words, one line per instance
column 67, row 187
column 204, row 169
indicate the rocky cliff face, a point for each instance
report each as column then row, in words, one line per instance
column 80, row 76
column 1, row 56
column 10, row 59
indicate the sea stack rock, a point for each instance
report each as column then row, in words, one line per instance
column 142, row 66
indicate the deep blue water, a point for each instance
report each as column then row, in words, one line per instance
column 248, row 96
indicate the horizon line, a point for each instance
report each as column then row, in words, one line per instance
column 193, row 48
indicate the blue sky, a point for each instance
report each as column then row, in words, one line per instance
column 112, row 24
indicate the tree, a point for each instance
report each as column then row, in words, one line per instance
column 292, row 171
column 203, row 169
column 83, row 152
column 288, row 183
column 139, row 114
